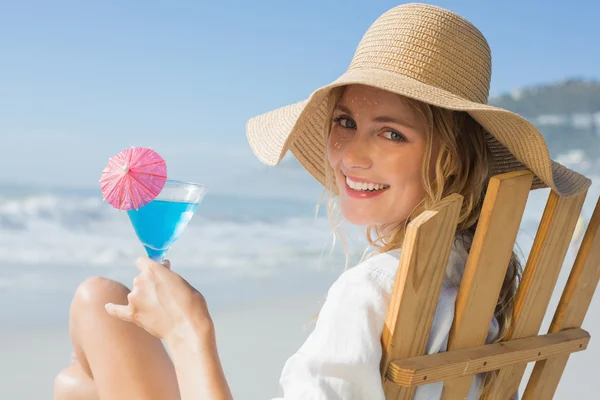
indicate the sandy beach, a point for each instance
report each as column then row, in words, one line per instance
column 254, row 340
column 253, row 346
column 262, row 298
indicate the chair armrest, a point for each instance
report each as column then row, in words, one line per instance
column 421, row 370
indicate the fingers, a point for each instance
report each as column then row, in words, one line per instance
column 124, row 313
column 151, row 267
column 136, row 300
column 143, row 264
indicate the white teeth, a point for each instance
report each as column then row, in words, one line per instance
column 363, row 186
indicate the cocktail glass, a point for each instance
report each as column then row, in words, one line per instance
column 160, row 223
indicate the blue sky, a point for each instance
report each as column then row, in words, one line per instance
column 80, row 81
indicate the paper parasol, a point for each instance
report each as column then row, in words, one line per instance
column 133, row 178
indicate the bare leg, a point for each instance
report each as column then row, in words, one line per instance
column 121, row 360
column 73, row 383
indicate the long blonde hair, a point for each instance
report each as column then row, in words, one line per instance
column 462, row 166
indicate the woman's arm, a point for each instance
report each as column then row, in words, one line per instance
column 197, row 364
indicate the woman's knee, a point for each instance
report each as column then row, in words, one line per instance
column 97, row 291
column 88, row 315
column 87, row 307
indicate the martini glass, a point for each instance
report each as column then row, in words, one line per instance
column 160, row 223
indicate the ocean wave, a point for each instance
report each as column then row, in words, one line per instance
column 85, row 231
column 263, row 236
column 23, row 213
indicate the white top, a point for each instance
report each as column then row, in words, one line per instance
column 340, row 359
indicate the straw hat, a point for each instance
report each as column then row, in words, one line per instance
column 428, row 54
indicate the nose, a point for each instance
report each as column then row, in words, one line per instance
column 357, row 152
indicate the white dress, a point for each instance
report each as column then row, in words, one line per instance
column 340, row 359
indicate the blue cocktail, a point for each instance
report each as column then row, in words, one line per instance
column 160, row 223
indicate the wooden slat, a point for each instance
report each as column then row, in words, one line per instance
column 541, row 272
column 422, row 370
column 571, row 310
column 423, row 260
column 486, row 267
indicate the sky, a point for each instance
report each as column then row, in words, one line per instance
column 81, row 81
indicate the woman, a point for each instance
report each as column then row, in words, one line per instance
column 404, row 127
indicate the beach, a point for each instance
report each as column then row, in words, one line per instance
column 254, row 340
column 263, row 265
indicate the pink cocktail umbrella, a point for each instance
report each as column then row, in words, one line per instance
column 133, row 178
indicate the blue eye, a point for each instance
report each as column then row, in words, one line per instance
column 345, row 122
column 393, row 136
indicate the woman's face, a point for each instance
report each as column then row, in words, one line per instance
column 376, row 148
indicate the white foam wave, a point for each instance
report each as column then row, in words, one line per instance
column 77, row 231
column 61, row 230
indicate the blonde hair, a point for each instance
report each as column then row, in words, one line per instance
column 462, row 166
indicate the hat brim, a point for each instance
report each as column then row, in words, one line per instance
column 515, row 142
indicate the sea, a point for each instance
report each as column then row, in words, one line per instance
column 235, row 249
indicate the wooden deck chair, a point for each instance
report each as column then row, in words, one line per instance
column 423, row 261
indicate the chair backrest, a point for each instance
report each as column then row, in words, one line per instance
column 424, row 257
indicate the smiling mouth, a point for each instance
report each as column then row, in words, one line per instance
column 364, row 186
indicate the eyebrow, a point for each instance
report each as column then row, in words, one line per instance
column 381, row 119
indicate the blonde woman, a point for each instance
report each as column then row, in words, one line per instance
column 405, row 126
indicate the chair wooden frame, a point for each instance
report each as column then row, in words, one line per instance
column 419, row 279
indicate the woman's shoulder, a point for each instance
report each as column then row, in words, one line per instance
column 381, row 269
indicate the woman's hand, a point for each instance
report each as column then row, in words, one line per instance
column 164, row 304
column 168, row 307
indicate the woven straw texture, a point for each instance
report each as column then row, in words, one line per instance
column 428, row 54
